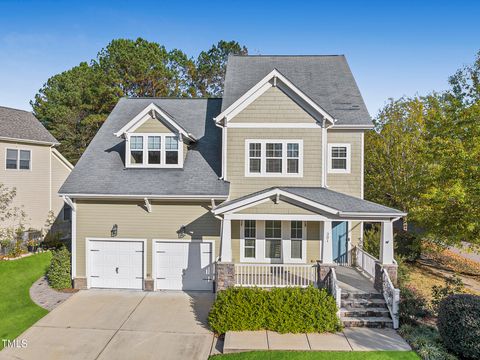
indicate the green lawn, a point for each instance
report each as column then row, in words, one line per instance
column 327, row 355
column 17, row 311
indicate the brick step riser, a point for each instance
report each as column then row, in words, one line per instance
column 362, row 305
column 368, row 324
column 353, row 313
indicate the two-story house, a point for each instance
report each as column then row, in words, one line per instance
column 35, row 168
column 265, row 185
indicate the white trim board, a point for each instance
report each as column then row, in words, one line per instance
column 144, row 115
column 273, row 79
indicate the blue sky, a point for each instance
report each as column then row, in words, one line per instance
column 394, row 48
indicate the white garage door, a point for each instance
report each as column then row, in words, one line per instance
column 184, row 265
column 116, row 264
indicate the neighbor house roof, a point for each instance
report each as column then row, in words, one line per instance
column 23, row 126
column 332, row 201
column 326, row 79
column 101, row 170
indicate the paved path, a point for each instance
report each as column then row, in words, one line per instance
column 353, row 281
column 353, row 339
column 121, row 324
column 43, row 295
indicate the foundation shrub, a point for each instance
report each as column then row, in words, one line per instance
column 58, row 273
column 285, row 310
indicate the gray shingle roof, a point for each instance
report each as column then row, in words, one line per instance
column 101, row 168
column 333, row 199
column 327, row 80
column 21, row 124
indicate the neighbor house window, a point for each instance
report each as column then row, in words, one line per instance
column 273, row 239
column 154, row 150
column 273, row 158
column 296, row 237
column 339, row 158
column 249, row 231
column 18, row 159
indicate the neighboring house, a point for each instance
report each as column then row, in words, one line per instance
column 33, row 166
column 264, row 183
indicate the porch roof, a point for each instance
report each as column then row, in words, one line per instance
column 324, row 199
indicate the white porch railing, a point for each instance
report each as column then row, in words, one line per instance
column 365, row 262
column 275, row 275
column 392, row 297
column 331, row 283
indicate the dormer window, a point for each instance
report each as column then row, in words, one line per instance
column 154, row 150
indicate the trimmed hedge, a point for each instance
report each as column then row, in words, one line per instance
column 285, row 310
column 58, row 273
column 459, row 324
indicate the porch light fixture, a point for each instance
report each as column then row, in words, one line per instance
column 182, row 231
column 114, row 230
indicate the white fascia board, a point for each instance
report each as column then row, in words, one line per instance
column 262, row 86
column 142, row 197
column 252, row 201
column 142, row 117
column 62, row 159
column 353, row 127
column 10, row 139
column 69, row 202
column 274, row 125
column 370, row 215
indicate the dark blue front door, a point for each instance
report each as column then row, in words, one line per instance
column 339, row 237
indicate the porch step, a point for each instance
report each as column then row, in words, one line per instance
column 363, row 303
column 360, row 295
column 364, row 312
column 367, row 321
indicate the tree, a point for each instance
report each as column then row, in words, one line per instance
column 13, row 218
column 74, row 104
column 395, row 167
column 211, row 66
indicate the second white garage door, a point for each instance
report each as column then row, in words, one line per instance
column 184, row 265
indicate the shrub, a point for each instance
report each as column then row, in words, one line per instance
column 453, row 285
column 426, row 341
column 53, row 241
column 371, row 240
column 408, row 245
column 283, row 310
column 413, row 306
column 58, row 274
column 459, row 324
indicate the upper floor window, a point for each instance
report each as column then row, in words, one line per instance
column 339, row 158
column 274, row 158
column 18, row 159
column 154, row 150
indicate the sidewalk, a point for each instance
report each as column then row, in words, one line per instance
column 358, row 339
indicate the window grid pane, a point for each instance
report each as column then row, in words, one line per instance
column 171, row 143
column 296, row 230
column 292, row 150
column 250, row 229
column 136, row 142
column 274, row 150
column 273, row 229
column 154, row 142
column 255, row 150
column 12, row 156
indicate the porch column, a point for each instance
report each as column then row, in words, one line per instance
column 327, row 245
column 226, row 244
column 386, row 246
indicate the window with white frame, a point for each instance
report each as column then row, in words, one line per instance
column 17, row 159
column 154, row 150
column 296, row 239
column 274, row 158
column 339, row 158
column 273, row 239
column 249, row 232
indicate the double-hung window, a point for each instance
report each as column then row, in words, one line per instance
column 18, row 159
column 339, row 158
column 249, row 232
column 296, row 237
column 154, row 150
column 274, row 158
column 273, row 239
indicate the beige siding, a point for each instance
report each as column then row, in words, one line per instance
column 269, row 207
column 355, row 232
column 96, row 218
column 312, row 159
column 347, row 183
column 273, row 106
column 153, row 126
column 33, row 186
column 236, row 241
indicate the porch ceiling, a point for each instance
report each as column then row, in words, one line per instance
column 309, row 201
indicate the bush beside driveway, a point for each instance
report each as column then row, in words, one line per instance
column 17, row 311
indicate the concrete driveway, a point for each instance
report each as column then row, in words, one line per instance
column 114, row 324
